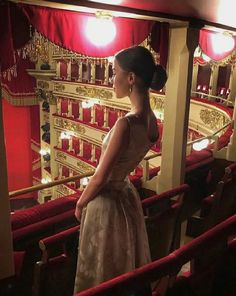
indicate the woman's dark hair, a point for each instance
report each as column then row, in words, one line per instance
column 139, row 60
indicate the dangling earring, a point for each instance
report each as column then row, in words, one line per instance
column 130, row 89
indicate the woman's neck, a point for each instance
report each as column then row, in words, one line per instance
column 139, row 102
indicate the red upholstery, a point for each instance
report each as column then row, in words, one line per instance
column 64, row 106
column 162, row 220
column 99, row 115
column 86, row 114
column 63, row 70
column 206, row 252
column 97, row 153
column 218, row 206
column 74, row 71
column 135, row 280
column 65, row 144
column 76, row 145
column 112, row 117
column 18, row 261
column 75, row 109
column 27, row 217
column 65, row 171
column 55, row 272
column 87, row 150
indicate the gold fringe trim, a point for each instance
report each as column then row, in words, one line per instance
column 21, row 100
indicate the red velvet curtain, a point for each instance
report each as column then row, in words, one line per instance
column 207, row 46
column 67, row 29
column 160, row 41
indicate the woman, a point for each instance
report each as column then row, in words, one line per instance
column 113, row 237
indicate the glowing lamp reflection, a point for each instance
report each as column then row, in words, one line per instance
column 198, row 146
column 222, row 43
column 100, row 31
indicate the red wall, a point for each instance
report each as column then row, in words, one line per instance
column 17, row 129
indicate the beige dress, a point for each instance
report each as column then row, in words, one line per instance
column 113, row 238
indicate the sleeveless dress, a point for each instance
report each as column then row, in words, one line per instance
column 113, row 238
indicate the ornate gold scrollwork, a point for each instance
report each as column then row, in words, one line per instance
column 96, row 93
column 85, row 168
column 213, row 118
column 51, row 98
column 61, row 156
column 64, row 190
column 43, row 84
column 157, row 103
column 59, row 87
column 70, row 126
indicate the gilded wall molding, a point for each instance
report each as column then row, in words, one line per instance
column 213, row 118
column 65, row 190
column 74, row 163
column 84, row 167
column 59, row 87
column 69, row 126
column 157, row 102
column 94, row 92
column 42, row 84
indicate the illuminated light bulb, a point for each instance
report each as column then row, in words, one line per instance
column 89, row 104
column 43, row 152
column 110, row 59
column 65, row 135
column 222, row 43
column 44, row 181
column 84, row 181
column 198, row 146
column 100, row 31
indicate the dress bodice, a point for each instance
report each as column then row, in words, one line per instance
column 138, row 146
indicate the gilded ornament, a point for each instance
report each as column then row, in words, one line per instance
column 59, row 87
column 43, row 84
column 69, row 126
column 60, row 155
column 85, row 168
column 95, row 93
column 64, row 190
column 157, row 102
column 213, row 118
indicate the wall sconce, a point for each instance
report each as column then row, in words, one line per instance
column 46, row 157
column 46, row 137
column 44, row 151
column 66, row 135
column 45, row 127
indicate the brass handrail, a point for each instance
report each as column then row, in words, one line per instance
column 212, row 96
column 48, row 185
column 80, row 176
column 212, row 135
column 152, row 156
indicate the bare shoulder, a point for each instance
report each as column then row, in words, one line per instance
column 122, row 124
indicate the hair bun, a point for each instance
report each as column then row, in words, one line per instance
column 159, row 78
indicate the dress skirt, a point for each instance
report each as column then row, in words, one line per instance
column 113, row 238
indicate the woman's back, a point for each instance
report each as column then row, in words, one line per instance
column 138, row 145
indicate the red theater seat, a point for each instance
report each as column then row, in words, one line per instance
column 218, row 206
column 206, row 254
column 54, row 274
column 162, row 213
